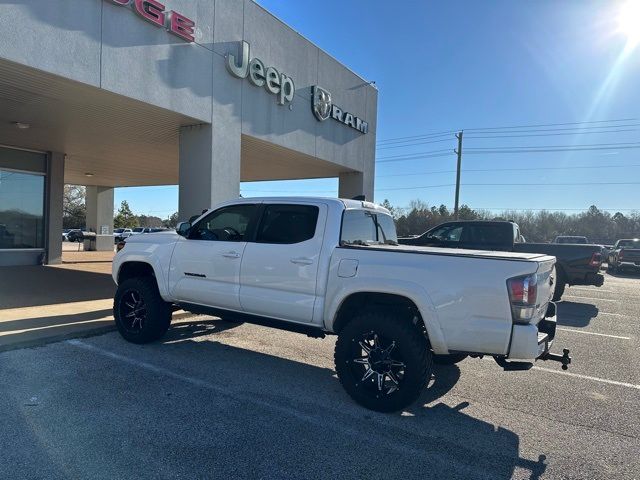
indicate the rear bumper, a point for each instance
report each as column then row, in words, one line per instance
column 530, row 342
column 633, row 264
column 591, row 278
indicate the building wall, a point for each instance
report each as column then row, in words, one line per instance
column 108, row 46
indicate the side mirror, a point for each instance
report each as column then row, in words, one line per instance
column 183, row 228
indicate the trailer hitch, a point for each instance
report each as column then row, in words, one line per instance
column 565, row 359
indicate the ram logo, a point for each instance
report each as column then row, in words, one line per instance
column 321, row 103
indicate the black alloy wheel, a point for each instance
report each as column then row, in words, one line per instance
column 383, row 361
column 141, row 315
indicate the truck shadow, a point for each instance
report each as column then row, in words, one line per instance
column 430, row 436
column 574, row 314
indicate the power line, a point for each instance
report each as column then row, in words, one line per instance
column 599, row 167
column 412, row 144
column 545, row 184
column 414, row 137
column 588, row 145
column 405, row 158
column 551, row 134
column 551, row 124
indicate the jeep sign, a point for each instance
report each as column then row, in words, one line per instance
column 260, row 75
column 323, row 108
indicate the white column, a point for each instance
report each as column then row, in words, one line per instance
column 99, row 203
column 209, row 169
column 54, row 207
column 353, row 184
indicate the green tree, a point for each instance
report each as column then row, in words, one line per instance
column 74, row 212
column 125, row 217
column 171, row 221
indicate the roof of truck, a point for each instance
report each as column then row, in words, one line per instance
column 342, row 202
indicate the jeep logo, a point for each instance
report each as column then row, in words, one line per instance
column 273, row 81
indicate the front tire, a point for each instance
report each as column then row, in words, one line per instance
column 383, row 361
column 141, row 315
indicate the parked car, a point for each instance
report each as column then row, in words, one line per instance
column 571, row 239
column 576, row 265
column 75, row 235
column 154, row 230
column 137, row 230
column 625, row 254
column 329, row 266
column 119, row 234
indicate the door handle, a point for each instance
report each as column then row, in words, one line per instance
column 302, row 261
column 231, row 255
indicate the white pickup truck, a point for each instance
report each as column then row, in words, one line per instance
column 331, row 266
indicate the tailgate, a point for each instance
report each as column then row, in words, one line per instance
column 630, row 255
column 546, row 284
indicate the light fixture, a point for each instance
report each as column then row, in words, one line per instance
column 21, row 125
column 88, row 174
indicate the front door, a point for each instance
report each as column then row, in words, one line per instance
column 279, row 270
column 205, row 267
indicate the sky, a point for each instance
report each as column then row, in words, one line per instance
column 522, row 79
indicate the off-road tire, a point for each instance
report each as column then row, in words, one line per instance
column 561, row 283
column 411, row 346
column 449, row 359
column 157, row 312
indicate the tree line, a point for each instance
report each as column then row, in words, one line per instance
column 542, row 226
column 598, row 226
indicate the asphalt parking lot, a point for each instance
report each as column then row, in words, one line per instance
column 220, row 400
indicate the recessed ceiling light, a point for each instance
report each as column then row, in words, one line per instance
column 22, row 126
column 88, row 174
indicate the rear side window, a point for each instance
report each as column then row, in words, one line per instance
column 362, row 227
column 489, row 234
column 286, row 224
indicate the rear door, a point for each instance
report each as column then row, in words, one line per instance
column 279, row 270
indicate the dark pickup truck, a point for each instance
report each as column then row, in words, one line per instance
column 625, row 254
column 575, row 264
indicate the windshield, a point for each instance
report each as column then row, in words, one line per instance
column 364, row 227
column 118, row 230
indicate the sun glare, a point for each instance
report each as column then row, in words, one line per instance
column 629, row 21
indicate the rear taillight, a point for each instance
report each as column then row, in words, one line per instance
column 523, row 293
column 621, row 255
column 596, row 260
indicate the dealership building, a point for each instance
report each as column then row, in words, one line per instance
column 204, row 94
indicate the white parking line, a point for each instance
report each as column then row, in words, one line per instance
column 587, row 377
column 614, row 314
column 592, row 333
column 592, row 298
column 587, row 289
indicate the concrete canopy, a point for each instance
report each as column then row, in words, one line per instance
column 120, row 141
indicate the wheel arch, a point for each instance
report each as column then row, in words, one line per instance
column 415, row 311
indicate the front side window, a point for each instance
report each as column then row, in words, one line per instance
column 227, row 224
column 448, row 233
column 287, row 224
column 362, row 227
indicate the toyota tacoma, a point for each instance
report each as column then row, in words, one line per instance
column 334, row 267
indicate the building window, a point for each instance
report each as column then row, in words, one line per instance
column 21, row 210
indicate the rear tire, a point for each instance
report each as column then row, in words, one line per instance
column 141, row 315
column 561, row 284
column 383, row 361
column 449, row 359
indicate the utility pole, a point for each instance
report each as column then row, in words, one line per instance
column 459, row 153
